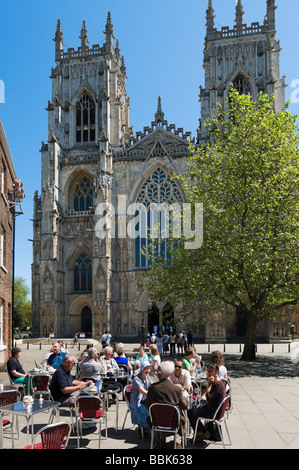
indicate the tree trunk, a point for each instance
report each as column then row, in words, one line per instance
column 249, row 346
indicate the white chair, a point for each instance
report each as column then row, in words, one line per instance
column 220, row 416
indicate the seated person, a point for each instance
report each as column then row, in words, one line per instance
column 91, row 367
column 214, row 396
column 109, row 382
column 63, row 387
column 16, row 371
column 166, row 392
column 55, row 359
column 187, row 360
column 121, row 359
column 141, row 356
column 140, row 386
column 181, row 376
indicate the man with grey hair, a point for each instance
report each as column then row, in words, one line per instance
column 91, row 367
column 168, row 393
column 64, row 388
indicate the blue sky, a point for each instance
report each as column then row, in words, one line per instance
column 162, row 42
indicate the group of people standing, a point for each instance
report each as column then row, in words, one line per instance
column 169, row 342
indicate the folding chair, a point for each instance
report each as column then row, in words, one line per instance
column 90, row 409
column 53, row 436
column 164, row 418
column 219, row 417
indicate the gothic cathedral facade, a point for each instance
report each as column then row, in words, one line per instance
column 82, row 280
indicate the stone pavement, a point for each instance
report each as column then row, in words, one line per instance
column 265, row 399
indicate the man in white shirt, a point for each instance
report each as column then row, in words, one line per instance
column 181, row 376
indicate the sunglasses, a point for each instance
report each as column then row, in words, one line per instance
column 178, row 367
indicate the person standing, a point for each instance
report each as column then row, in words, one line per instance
column 172, row 343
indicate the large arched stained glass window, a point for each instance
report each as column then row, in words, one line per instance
column 159, row 188
column 83, row 195
column 83, row 274
column 85, row 119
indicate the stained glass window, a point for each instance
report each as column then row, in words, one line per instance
column 159, row 188
column 83, row 274
column 85, row 119
column 83, row 197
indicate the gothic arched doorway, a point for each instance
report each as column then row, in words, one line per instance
column 153, row 318
column 86, row 321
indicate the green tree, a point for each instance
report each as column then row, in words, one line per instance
column 22, row 304
column 247, row 178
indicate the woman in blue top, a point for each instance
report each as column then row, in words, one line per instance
column 140, row 385
column 121, row 359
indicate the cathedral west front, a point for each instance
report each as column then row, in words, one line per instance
column 85, row 282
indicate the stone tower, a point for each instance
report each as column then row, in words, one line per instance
column 88, row 117
column 247, row 56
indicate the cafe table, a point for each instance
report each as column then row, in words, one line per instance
column 28, row 413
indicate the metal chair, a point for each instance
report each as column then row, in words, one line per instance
column 164, row 418
column 90, row 409
column 8, row 397
column 53, row 436
column 220, row 416
column 39, row 385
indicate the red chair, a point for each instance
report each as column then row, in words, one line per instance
column 53, row 436
column 8, row 397
column 90, row 409
column 164, row 418
column 40, row 384
column 220, row 416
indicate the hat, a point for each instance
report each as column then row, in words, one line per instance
column 144, row 364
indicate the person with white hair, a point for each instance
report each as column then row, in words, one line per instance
column 167, row 392
column 91, row 367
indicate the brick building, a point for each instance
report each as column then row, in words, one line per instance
column 10, row 197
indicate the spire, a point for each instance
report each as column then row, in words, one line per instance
column 109, row 34
column 271, row 7
column 239, row 16
column 84, row 38
column 210, row 16
column 58, row 39
column 159, row 115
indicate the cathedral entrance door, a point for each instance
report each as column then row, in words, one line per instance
column 86, row 321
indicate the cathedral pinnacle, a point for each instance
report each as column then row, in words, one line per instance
column 58, row 39
column 83, row 37
column 239, row 16
column 210, row 16
column 109, row 25
column 271, row 7
column 159, row 115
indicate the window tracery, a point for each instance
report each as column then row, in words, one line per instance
column 85, row 119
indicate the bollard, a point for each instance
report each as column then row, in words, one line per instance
column 240, row 348
column 40, row 345
column 224, row 347
column 27, row 345
column 273, row 348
